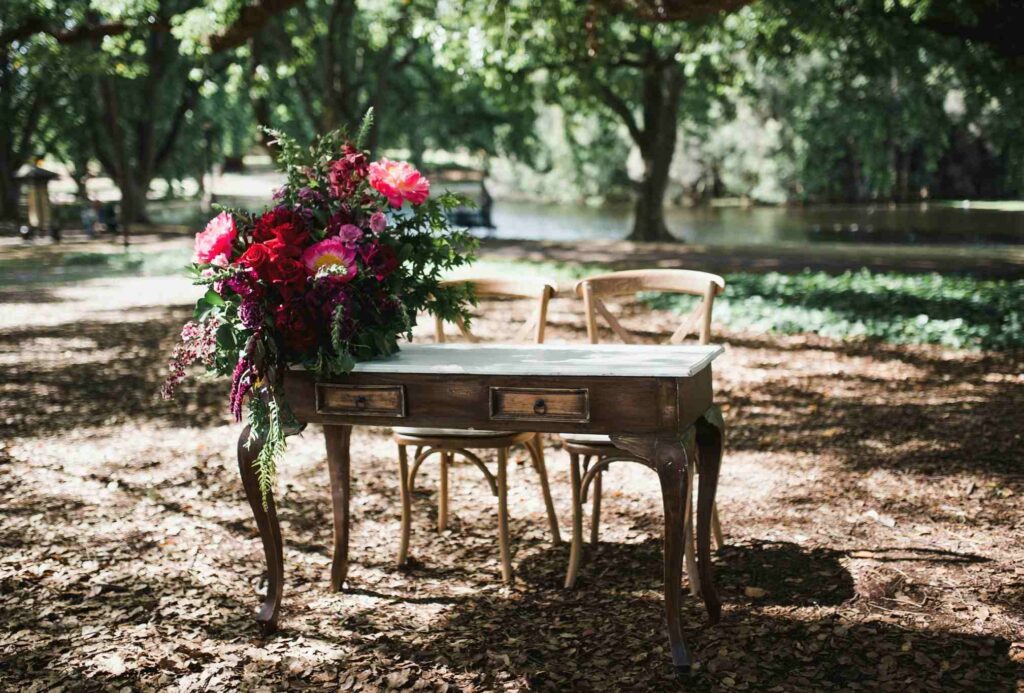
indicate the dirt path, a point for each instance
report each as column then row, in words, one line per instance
column 871, row 497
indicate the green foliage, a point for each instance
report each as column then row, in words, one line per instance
column 955, row 311
column 959, row 312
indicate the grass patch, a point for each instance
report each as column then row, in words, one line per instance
column 949, row 310
column 80, row 266
column 953, row 311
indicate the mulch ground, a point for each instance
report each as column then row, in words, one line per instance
column 871, row 497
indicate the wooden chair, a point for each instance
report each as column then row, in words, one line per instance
column 598, row 448
column 447, row 443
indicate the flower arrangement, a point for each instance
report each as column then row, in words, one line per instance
column 334, row 273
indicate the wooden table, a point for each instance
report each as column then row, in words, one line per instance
column 654, row 401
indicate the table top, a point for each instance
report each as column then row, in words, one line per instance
column 592, row 360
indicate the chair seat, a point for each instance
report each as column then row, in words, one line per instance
column 447, row 432
column 591, row 439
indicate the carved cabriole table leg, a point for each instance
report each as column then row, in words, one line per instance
column 670, row 458
column 710, row 433
column 337, row 439
column 270, row 533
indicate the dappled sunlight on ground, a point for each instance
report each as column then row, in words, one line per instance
column 871, row 497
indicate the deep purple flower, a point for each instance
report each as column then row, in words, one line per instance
column 310, row 196
column 251, row 314
column 241, row 382
column 245, row 285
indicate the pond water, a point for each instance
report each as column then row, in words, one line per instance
column 902, row 224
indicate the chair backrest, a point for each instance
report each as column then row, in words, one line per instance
column 539, row 289
column 593, row 289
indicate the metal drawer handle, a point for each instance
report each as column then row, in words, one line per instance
column 540, row 407
column 360, row 402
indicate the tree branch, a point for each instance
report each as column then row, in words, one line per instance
column 249, row 22
column 621, row 109
column 188, row 102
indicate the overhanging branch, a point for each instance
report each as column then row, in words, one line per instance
column 251, row 19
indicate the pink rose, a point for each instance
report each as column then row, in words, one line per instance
column 331, row 252
column 378, row 222
column 350, row 234
column 213, row 244
column 398, row 181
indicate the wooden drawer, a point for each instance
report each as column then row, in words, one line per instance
column 540, row 404
column 360, row 400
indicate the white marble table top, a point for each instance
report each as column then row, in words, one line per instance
column 608, row 360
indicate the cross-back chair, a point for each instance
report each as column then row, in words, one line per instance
column 590, row 454
column 446, row 444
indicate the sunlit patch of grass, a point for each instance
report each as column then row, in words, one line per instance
column 79, row 266
column 949, row 310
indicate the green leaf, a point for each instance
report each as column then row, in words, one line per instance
column 226, row 337
column 213, row 298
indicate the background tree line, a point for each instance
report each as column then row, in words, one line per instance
column 776, row 100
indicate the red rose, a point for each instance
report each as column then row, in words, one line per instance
column 283, row 231
column 279, row 248
column 379, row 259
column 288, row 276
column 278, row 216
column 257, row 257
column 291, row 235
column 295, row 322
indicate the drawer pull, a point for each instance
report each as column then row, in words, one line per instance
column 360, row 402
column 541, row 404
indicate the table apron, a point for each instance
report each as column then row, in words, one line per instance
column 598, row 404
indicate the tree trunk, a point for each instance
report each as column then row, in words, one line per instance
column 133, row 201
column 8, row 194
column 649, row 208
column 662, row 87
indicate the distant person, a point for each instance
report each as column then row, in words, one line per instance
column 90, row 217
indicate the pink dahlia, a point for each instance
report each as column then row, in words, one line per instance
column 213, row 244
column 332, row 252
column 398, row 181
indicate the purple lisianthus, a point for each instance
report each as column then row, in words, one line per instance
column 378, row 222
column 310, row 196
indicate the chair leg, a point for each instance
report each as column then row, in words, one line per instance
column 689, row 542
column 595, row 512
column 716, row 528
column 403, row 483
column 442, row 493
column 536, row 449
column 506, row 558
column 575, row 553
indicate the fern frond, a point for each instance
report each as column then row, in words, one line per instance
column 364, row 128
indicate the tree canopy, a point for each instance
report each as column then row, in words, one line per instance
column 777, row 100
